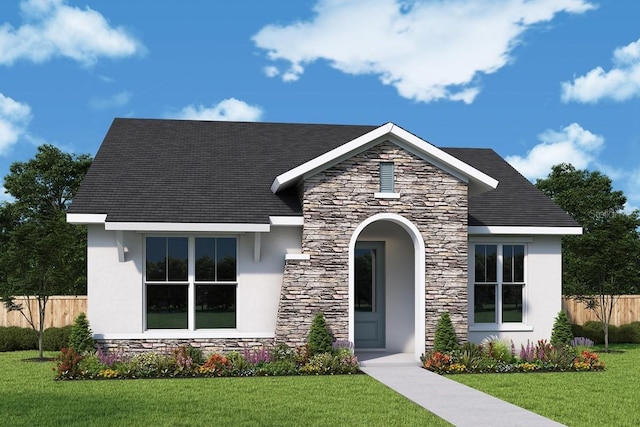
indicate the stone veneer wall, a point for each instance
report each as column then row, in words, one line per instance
column 207, row 345
column 336, row 201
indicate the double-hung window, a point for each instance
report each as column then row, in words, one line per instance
column 190, row 282
column 499, row 280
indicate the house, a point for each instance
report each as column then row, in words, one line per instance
column 224, row 234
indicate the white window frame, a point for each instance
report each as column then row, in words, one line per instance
column 498, row 324
column 190, row 283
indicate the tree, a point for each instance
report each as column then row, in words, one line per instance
column 446, row 339
column 604, row 262
column 561, row 334
column 81, row 338
column 42, row 255
column 320, row 340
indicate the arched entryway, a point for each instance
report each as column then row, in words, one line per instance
column 390, row 314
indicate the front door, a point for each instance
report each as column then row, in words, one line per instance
column 369, row 295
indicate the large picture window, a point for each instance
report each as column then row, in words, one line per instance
column 499, row 280
column 190, row 282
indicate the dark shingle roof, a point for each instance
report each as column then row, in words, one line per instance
column 516, row 202
column 201, row 172
column 220, row 172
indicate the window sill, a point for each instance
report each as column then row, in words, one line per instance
column 299, row 257
column 504, row 327
column 386, row 195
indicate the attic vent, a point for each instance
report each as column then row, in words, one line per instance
column 386, row 177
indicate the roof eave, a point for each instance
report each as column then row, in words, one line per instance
column 523, row 230
column 479, row 182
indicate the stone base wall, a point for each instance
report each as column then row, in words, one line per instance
column 207, row 345
column 336, row 201
column 307, row 289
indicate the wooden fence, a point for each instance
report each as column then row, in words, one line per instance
column 60, row 311
column 626, row 310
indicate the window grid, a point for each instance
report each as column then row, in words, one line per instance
column 499, row 283
column 186, row 309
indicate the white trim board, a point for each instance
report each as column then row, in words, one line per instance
column 187, row 227
column 395, row 134
column 549, row 231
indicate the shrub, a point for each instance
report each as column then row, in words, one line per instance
column 328, row 364
column 469, row 354
column 445, row 340
column 68, row 363
column 561, row 333
column 81, row 338
column 55, row 339
column 237, row 366
column 436, row 361
column 196, row 355
column 588, row 361
column 149, row 364
column 216, row 364
column 283, row 352
column 593, row 331
column 577, row 330
column 14, row 338
column 319, row 336
column 181, row 359
column 90, row 366
column 500, row 349
column 629, row 333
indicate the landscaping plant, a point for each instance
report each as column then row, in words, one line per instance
column 81, row 338
column 320, row 339
column 561, row 333
column 31, row 398
column 496, row 355
column 185, row 361
column 446, row 339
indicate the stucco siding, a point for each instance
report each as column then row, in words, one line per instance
column 116, row 289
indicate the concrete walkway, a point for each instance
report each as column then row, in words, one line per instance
column 458, row 404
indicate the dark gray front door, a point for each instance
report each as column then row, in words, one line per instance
column 369, row 295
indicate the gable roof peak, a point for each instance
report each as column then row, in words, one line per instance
column 479, row 182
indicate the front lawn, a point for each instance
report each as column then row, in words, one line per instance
column 610, row 397
column 30, row 396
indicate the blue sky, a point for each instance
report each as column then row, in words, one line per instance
column 539, row 81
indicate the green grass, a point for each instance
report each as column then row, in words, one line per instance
column 609, row 397
column 29, row 396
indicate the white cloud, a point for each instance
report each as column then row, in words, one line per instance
column 633, row 190
column 573, row 144
column 271, row 71
column 14, row 118
column 620, row 83
column 51, row 28
column 230, row 109
column 428, row 50
column 4, row 196
column 118, row 100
